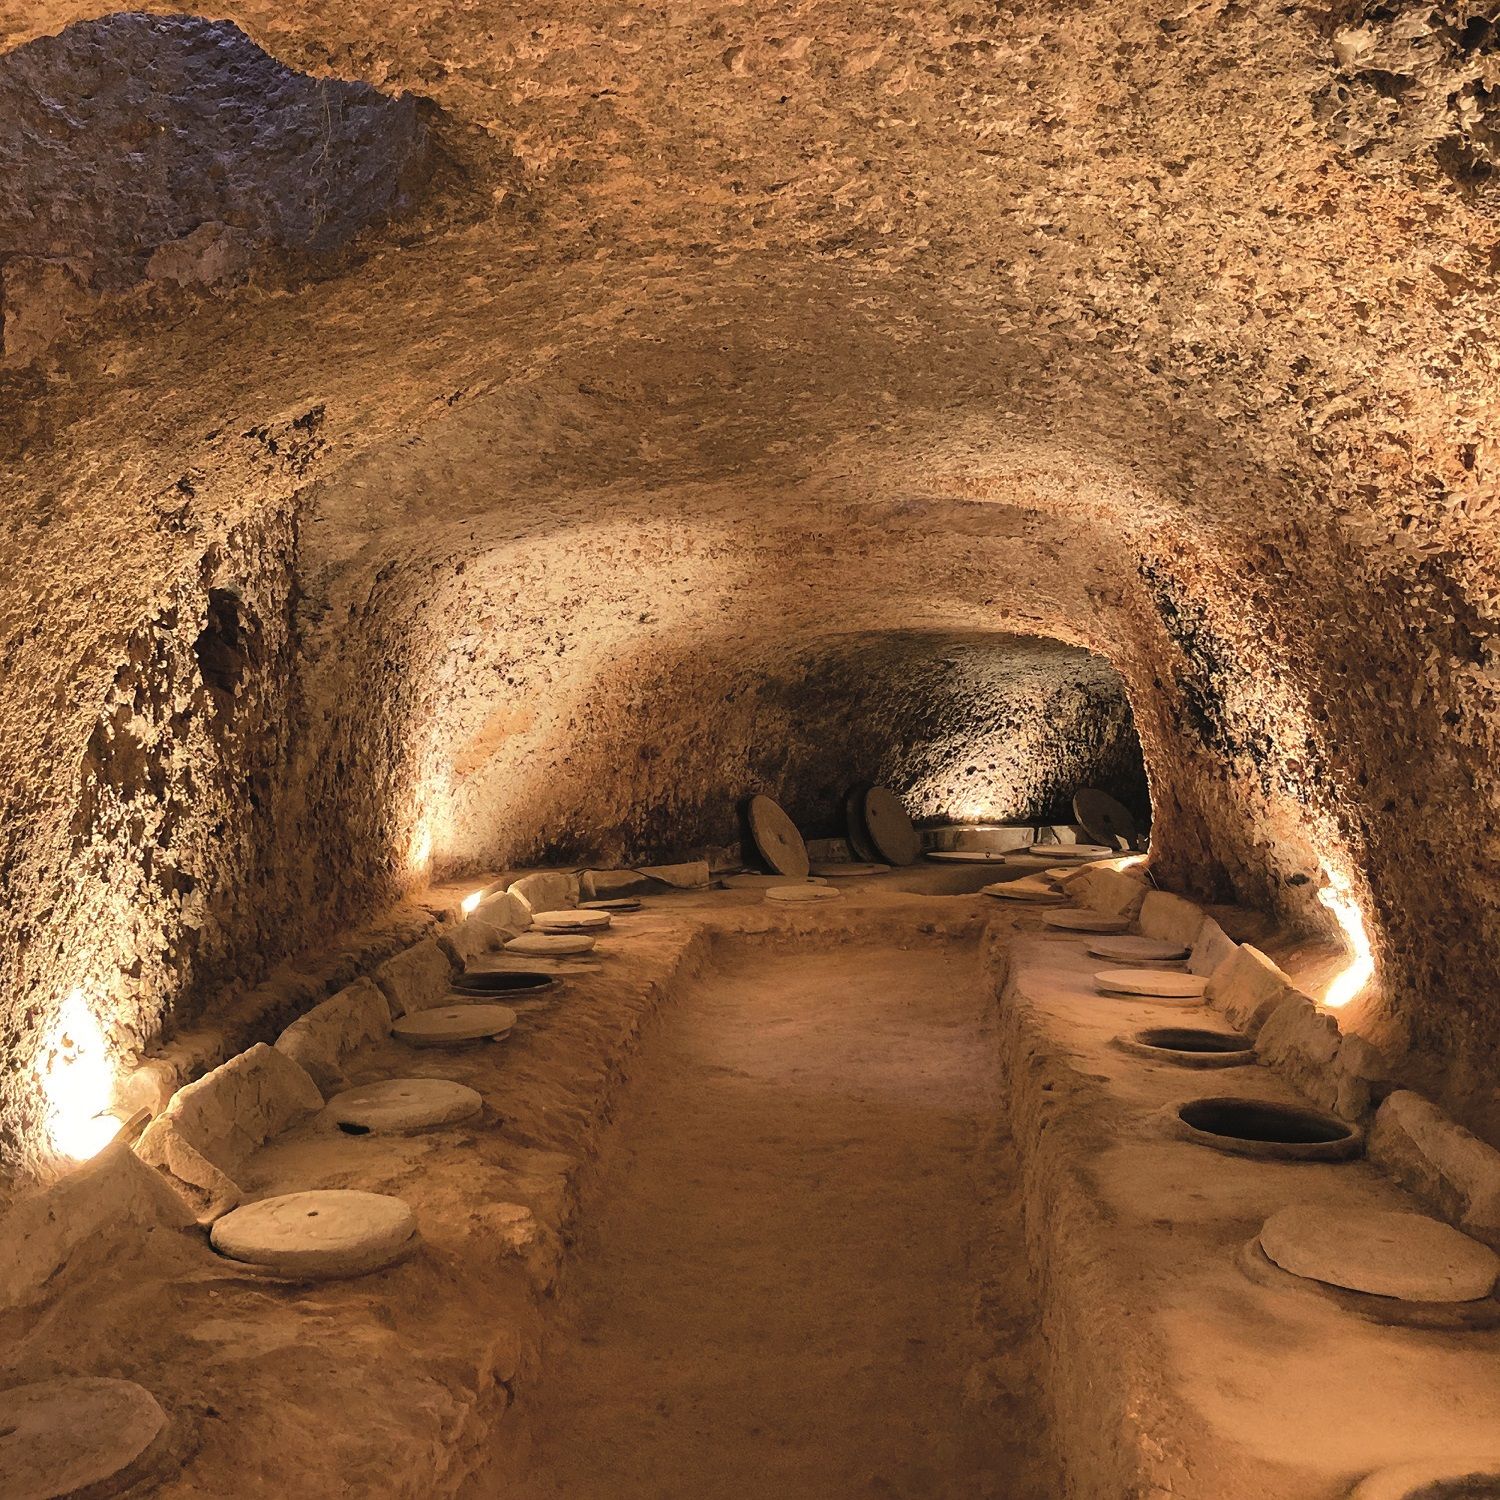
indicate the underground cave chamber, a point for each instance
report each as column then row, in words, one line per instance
column 748, row 751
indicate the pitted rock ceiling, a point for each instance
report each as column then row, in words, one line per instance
column 704, row 333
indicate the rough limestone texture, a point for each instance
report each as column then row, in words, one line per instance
column 470, row 939
column 320, row 1041
column 190, row 159
column 1212, row 947
column 211, row 1126
column 77, row 1221
column 721, row 367
column 1170, row 917
column 1301, row 1042
column 416, row 979
column 1116, row 893
column 1247, row 986
column 547, row 890
column 1440, row 1161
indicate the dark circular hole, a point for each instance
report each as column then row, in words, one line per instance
column 1191, row 1039
column 1257, row 1120
column 503, row 982
column 350, row 1129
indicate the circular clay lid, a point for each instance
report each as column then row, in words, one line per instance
column 403, row 1104
column 754, row 882
column 856, row 831
column 799, row 894
column 1163, row 984
column 1131, row 949
column 577, row 921
column 849, row 869
column 333, row 1232
column 1080, row 852
column 890, row 825
column 1084, row 921
column 615, row 903
column 1405, row 1255
column 1103, row 818
column 1027, row 889
column 452, row 1025
column 59, row 1437
column 550, row 944
column 776, row 838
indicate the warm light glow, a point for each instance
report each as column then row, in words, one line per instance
column 421, row 848
column 77, row 1077
column 470, row 904
column 1336, row 896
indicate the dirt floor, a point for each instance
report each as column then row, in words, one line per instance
column 799, row 1270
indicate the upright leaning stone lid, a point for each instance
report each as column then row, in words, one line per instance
column 776, row 838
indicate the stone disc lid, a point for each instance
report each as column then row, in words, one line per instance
column 856, row 832
column 1132, row 949
column 1104, row 818
column 452, row 1025
column 1082, row 853
column 551, row 944
column 614, row 903
column 80, row 1434
column 1405, row 1255
column 800, row 894
column 890, row 825
column 971, row 856
column 1080, row 920
column 569, row 919
column 1161, row 984
column 400, row 1104
column 750, row 881
column 776, row 838
column 327, row 1233
column 850, row 868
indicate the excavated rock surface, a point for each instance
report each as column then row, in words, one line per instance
column 727, row 332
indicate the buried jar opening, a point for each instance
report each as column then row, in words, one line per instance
column 1259, row 1120
column 1191, row 1039
column 504, row 981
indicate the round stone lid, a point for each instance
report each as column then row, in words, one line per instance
column 799, row 894
column 451, row 1025
column 1065, row 852
column 331, row 1232
column 856, row 833
column 1389, row 1254
column 1103, row 818
column 755, row 882
column 614, row 903
column 60, row 1437
column 850, row 868
column 1137, row 949
column 890, row 827
column 1084, row 921
column 1165, row 984
column 400, row 1104
column 578, row 921
column 776, row 838
column 551, row 944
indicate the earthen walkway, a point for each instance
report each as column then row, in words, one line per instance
column 800, row 1274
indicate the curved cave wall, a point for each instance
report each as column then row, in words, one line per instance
column 1165, row 338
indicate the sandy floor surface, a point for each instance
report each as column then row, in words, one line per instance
column 799, row 1270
